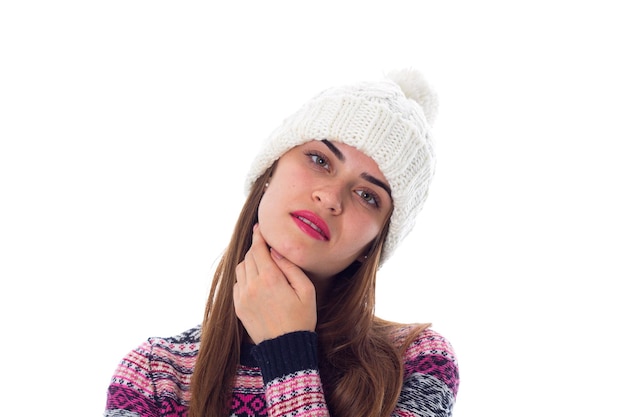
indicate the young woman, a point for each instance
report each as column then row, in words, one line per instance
column 289, row 328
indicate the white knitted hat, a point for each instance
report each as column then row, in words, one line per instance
column 389, row 121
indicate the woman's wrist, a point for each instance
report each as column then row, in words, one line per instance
column 286, row 354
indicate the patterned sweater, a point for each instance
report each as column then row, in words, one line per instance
column 278, row 377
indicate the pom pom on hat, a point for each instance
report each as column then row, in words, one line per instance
column 415, row 87
column 389, row 121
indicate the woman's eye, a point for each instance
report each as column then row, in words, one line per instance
column 319, row 160
column 370, row 198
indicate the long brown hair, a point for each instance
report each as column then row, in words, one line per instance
column 360, row 366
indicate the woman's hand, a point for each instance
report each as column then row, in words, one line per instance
column 272, row 295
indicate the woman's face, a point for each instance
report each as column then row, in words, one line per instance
column 325, row 203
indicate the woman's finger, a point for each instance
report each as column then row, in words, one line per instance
column 260, row 254
column 240, row 272
column 301, row 284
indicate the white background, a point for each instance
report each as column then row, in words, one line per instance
column 127, row 127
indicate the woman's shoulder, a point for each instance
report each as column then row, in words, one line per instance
column 188, row 340
column 420, row 338
column 427, row 354
column 156, row 352
column 158, row 370
column 175, row 356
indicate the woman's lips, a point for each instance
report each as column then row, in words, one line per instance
column 311, row 224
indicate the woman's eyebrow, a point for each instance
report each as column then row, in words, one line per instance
column 364, row 175
column 334, row 150
column 376, row 181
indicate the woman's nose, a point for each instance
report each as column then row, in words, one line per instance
column 330, row 198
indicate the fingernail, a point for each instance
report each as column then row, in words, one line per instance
column 276, row 254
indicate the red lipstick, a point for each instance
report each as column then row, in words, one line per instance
column 311, row 224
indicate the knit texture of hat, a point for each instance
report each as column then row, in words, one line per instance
column 389, row 121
